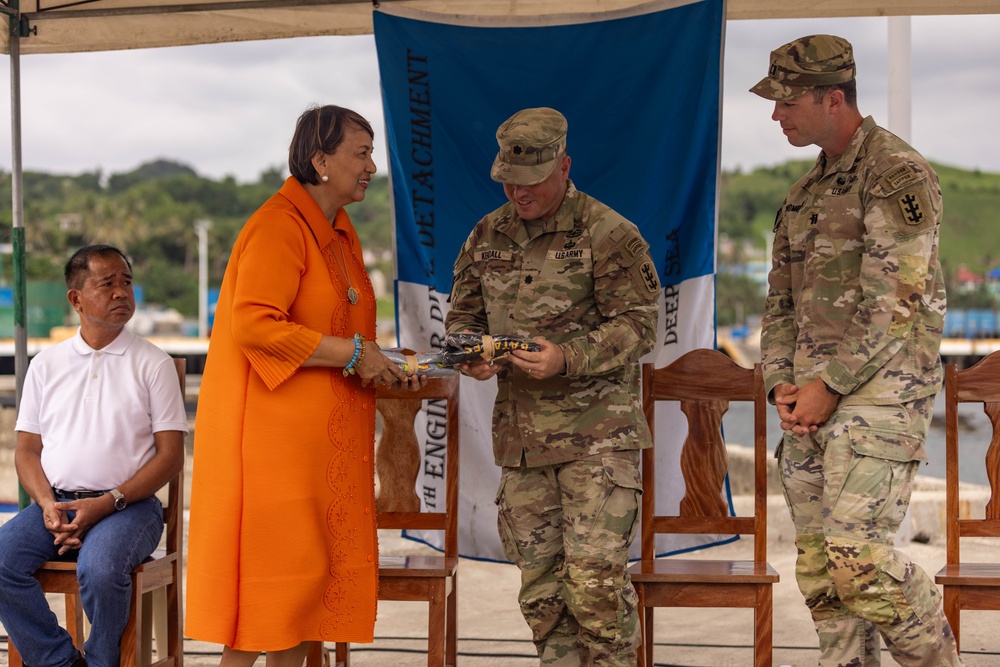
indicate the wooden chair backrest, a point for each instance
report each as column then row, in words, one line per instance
column 704, row 382
column 397, row 459
column 978, row 384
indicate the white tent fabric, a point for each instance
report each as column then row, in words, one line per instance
column 66, row 26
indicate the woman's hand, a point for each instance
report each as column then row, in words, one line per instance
column 375, row 368
column 411, row 383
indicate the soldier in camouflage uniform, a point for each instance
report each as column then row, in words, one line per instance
column 851, row 332
column 559, row 266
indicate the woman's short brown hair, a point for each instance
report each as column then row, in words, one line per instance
column 320, row 129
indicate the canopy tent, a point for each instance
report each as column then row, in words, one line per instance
column 67, row 26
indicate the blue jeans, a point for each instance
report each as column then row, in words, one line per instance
column 110, row 551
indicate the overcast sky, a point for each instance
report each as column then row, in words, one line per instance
column 229, row 109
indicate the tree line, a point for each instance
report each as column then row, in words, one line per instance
column 749, row 203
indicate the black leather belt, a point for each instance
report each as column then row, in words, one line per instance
column 77, row 495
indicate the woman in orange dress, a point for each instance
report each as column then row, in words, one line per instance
column 282, row 543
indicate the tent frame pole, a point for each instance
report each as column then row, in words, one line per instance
column 64, row 11
column 17, row 232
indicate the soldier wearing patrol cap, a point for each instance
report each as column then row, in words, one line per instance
column 560, row 266
column 851, row 332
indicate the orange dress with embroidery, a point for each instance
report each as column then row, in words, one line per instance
column 282, row 545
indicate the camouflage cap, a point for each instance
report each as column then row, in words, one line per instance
column 808, row 62
column 530, row 141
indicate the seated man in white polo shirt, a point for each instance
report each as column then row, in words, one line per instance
column 100, row 428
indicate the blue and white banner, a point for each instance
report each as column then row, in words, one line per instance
column 642, row 94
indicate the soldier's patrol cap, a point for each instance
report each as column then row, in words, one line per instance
column 530, row 141
column 808, row 62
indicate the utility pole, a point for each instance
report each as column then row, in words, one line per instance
column 900, row 78
column 201, row 227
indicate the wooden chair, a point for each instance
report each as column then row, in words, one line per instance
column 433, row 579
column 969, row 585
column 703, row 382
column 162, row 570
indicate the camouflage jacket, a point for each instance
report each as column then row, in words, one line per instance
column 856, row 294
column 586, row 282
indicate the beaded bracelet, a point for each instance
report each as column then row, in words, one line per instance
column 358, row 353
column 360, row 340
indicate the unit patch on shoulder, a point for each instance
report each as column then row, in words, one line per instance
column 915, row 211
column 649, row 278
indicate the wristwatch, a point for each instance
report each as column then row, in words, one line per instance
column 119, row 497
column 831, row 390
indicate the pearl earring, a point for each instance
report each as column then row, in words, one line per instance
column 324, row 178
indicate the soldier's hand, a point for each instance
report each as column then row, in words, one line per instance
column 480, row 370
column 813, row 406
column 784, row 400
column 547, row 362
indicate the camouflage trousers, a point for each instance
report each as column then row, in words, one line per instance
column 848, row 486
column 568, row 527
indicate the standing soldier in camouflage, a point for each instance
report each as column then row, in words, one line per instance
column 560, row 266
column 851, row 332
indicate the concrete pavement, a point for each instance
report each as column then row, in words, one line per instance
column 493, row 634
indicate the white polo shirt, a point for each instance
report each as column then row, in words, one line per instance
column 97, row 410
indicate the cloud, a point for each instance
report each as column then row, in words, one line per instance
column 954, row 105
column 229, row 109
column 225, row 109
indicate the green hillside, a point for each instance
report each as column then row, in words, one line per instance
column 971, row 210
column 749, row 202
column 969, row 232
